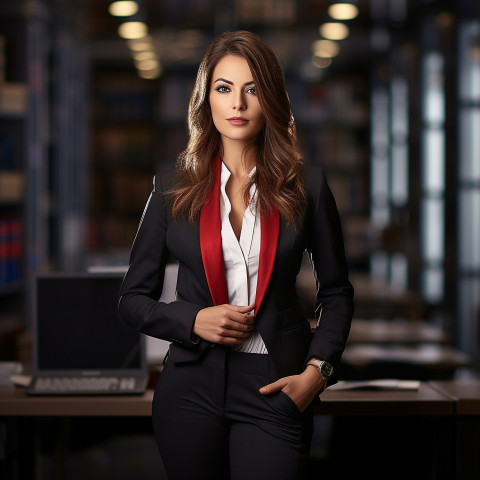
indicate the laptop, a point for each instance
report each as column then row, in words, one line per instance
column 80, row 345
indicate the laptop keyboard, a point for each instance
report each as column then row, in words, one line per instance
column 84, row 384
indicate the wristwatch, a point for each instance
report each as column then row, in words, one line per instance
column 324, row 367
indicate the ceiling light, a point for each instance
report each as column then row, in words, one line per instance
column 144, row 55
column 334, row 31
column 343, row 11
column 322, row 48
column 150, row 74
column 123, row 8
column 321, row 62
column 131, row 30
column 149, row 64
column 321, row 54
column 140, row 44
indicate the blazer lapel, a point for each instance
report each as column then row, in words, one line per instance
column 211, row 242
column 211, row 246
column 268, row 251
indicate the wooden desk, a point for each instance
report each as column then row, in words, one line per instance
column 14, row 402
column 426, row 401
column 466, row 395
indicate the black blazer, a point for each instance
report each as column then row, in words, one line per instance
column 201, row 281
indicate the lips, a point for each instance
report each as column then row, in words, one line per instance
column 237, row 120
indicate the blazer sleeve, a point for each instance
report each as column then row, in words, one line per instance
column 142, row 285
column 334, row 301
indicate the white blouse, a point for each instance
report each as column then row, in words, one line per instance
column 241, row 258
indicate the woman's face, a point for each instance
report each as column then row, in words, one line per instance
column 234, row 104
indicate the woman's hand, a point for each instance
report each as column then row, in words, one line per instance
column 300, row 388
column 224, row 324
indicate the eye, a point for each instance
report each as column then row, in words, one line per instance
column 251, row 90
column 222, row 88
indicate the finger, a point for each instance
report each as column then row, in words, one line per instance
column 240, row 324
column 237, row 327
column 239, row 308
column 240, row 314
column 237, row 320
column 236, row 333
column 245, row 317
column 273, row 387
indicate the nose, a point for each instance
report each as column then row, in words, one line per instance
column 239, row 102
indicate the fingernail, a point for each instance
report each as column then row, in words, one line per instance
column 263, row 390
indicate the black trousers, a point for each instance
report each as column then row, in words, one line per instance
column 211, row 422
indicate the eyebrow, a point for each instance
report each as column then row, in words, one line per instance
column 231, row 83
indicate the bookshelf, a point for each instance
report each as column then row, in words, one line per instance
column 13, row 136
column 42, row 148
column 332, row 119
column 122, row 158
column 138, row 128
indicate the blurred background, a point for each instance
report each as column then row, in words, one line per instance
column 386, row 97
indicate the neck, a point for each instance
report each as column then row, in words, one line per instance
column 239, row 158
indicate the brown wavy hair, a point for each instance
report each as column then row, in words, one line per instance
column 279, row 172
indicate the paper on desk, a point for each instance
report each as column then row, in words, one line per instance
column 21, row 380
column 382, row 384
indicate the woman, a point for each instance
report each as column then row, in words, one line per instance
column 234, row 399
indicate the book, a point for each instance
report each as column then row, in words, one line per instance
column 10, row 250
column 11, row 185
column 2, row 59
column 380, row 384
column 13, row 98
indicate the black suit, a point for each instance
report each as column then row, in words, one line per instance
column 201, row 283
column 280, row 319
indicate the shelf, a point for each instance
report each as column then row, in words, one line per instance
column 123, row 157
column 122, row 98
column 11, row 289
column 12, row 116
column 122, row 123
column 9, row 204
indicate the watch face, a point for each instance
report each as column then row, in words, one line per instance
column 326, row 370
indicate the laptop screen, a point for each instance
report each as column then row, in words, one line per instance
column 77, row 326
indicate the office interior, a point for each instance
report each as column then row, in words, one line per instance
column 386, row 100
